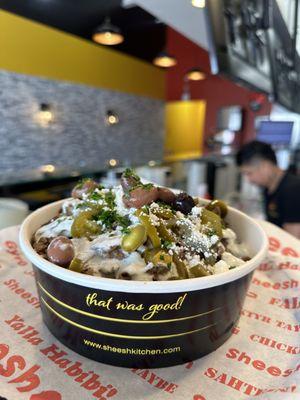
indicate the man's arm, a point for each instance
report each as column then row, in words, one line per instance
column 292, row 228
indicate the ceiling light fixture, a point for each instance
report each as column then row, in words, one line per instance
column 195, row 74
column 164, row 60
column 111, row 118
column 198, row 3
column 113, row 162
column 45, row 115
column 108, row 34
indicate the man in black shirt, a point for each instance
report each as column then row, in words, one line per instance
column 281, row 189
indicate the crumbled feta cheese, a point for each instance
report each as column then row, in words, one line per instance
column 69, row 206
column 228, row 234
column 231, row 260
column 214, row 239
column 194, row 260
column 154, row 220
column 179, row 214
column 220, row 267
column 197, row 211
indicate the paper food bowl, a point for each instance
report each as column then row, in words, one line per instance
column 142, row 324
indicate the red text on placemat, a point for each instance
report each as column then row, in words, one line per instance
column 155, row 380
column 274, row 344
column 28, row 333
column 25, row 377
column 268, row 320
column 16, row 288
column 13, row 249
column 87, row 380
column 282, row 285
column 275, row 245
column 241, row 386
column 259, row 365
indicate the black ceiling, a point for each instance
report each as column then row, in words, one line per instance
column 144, row 35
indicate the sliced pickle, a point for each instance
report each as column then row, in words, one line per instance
column 76, row 265
column 150, row 228
column 163, row 213
column 162, row 258
column 198, row 271
column 213, row 220
column 218, row 207
column 181, row 268
column 84, row 225
column 165, row 233
column 149, row 254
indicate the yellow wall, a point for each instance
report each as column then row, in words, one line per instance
column 35, row 49
column 184, row 129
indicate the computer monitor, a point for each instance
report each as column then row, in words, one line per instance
column 275, row 132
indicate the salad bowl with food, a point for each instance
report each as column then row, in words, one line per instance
column 139, row 275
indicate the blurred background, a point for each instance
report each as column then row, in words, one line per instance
column 170, row 87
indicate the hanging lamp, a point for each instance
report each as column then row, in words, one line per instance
column 108, row 34
column 195, row 74
column 164, row 60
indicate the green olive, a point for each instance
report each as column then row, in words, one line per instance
column 76, row 265
column 134, row 239
column 218, row 207
column 198, row 271
column 84, row 226
column 150, row 228
column 213, row 220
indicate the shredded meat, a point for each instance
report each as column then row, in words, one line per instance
column 158, row 270
column 116, row 252
column 125, row 276
column 41, row 246
column 220, row 249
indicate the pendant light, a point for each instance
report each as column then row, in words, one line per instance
column 195, row 74
column 198, row 3
column 164, row 60
column 108, row 34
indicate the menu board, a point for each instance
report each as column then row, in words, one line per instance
column 251, row 44
column 240, row 40
column 285, row 78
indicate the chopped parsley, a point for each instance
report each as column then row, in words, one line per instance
column 166, row 244
column 109, row 198
column 129, row 173
column 96, row 196
column 110, row 219
column 146, row 186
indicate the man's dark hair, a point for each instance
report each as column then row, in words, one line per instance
column 255, row 151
